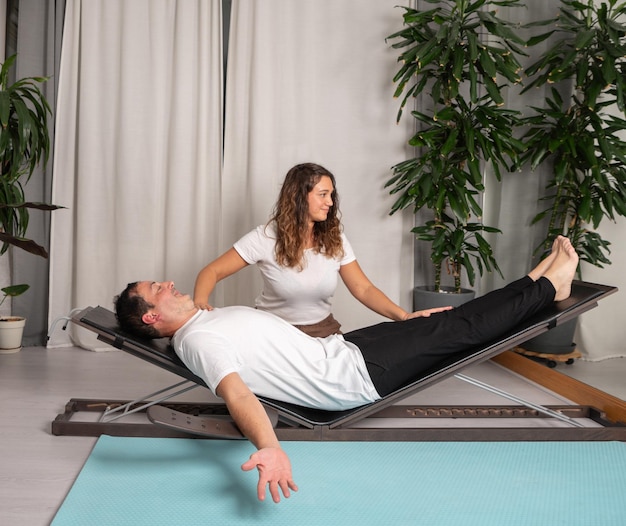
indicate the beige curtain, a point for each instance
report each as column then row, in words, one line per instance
column 138, row 149
column 311, row 81
column 139, row 166
column 601, row 333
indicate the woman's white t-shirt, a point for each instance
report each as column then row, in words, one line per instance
column 274, row 359
column 300, row 297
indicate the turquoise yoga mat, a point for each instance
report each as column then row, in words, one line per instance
column 160, row 481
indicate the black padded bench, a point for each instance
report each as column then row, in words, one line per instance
column 301, row 423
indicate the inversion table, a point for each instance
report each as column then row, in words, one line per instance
column 299, row 423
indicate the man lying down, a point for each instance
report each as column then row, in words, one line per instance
column 241, row 352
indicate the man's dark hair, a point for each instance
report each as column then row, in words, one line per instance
column 129, row 308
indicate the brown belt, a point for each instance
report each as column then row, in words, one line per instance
column 323, row 328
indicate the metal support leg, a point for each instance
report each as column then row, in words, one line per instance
column 514, row 398
column 126, row 408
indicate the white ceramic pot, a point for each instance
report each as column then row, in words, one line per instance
column 11, row 329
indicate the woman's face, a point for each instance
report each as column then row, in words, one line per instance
column 320, row 200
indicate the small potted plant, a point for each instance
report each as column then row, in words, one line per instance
column 24, row 144
column 11, row 327
column 580, row 131
column 456, row 59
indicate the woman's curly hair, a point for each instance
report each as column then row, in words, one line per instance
column 291, row 217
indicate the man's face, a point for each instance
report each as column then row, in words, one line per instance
column 165, row 298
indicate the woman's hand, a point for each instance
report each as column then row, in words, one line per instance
column 426, row 313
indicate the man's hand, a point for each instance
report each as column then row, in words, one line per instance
column 252, row 420
column 426, row 313
column 274, row 469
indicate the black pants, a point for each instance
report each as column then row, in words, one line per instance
column 397, row 353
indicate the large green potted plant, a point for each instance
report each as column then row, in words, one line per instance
column 580, row 130
column 24, row 144
column 457, row 58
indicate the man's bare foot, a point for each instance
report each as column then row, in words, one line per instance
column 545, row 263
column 563, row 269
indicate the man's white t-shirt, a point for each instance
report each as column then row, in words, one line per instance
column 274, row 359
column 301, row 297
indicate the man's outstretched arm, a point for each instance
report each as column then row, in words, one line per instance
column 271, row 461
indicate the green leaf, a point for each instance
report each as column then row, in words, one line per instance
column 487, row 63
column 584, row 38
column 15, row 290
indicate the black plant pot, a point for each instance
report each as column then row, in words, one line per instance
column 559, row 340
column 426, row 297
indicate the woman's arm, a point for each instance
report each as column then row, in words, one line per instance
column 373, row 298
column 222, row 267
column 270, row 460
